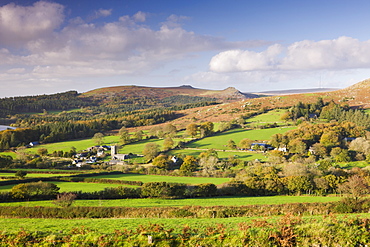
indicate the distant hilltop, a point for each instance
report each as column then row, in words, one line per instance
column 228, row 94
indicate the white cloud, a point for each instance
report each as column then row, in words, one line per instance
column 140, row 16
column 100, row 13
column 19, row 24
column 122, row 47
column 238, row 60
column 337, row 54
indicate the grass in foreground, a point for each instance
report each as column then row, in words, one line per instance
column 109, row 225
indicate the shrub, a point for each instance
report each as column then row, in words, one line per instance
column 163, row 189
column 65, row 199
column 205, row 190
column 38, row 190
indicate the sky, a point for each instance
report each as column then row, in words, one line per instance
column 253, row 45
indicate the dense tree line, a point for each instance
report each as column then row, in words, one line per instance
column 59, row 101
column 319, row 140
column 330, row 111
column 67, row 130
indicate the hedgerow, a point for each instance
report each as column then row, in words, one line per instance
column 177, row 212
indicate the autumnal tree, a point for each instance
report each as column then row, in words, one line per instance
column 169, row 130
column 124, row 136
column 5, row 160
column 162, row 162
column 65, row 199
column 356, row 187
column 168, row 143
column 206, row 129
column 298, row 184
column 276, row 157
column 42, row 151
column 360, row 145
column 245, row 143
column 224, row 126
column 189, row 165
column 34, row 190
column 231, row 144
column 330, row 139
column 297, row 146
column 151, row 150
column 138, row 135
column 319, row 150
column 205, row 190
column 340, row 155
column 98, row 138
column 192, row 129
column 156, row 131
column 21, row 174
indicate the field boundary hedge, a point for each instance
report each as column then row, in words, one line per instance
column 75, row 178
column 183, row 212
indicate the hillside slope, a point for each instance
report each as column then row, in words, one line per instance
column 163, row 92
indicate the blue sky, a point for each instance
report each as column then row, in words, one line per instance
column 55, row 46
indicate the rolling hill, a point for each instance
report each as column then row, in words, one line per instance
column 228, row 94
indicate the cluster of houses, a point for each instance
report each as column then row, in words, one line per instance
column 89, row 156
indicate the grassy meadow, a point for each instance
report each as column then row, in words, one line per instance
column 35, row 175
column 242, row 155
column 104, row 226
column 169, row 179
column 273, row 116
column 219, row 141
column 75, row 186
column 204, row 202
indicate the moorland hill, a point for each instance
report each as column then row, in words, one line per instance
column 229, row 93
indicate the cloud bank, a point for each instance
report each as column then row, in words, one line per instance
column 41, row 47
column 337, row 54
column 125, row 46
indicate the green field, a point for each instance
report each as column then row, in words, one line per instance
column 137, row 147
column 205, row 202
column 12, row 154
column 242, row 155
column 219, row 141
column 109, row 225
column 169, row 179
column 36, row 175
column 272, row 116
column 74, row 186
column 80, row 144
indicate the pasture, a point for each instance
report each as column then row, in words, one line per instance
column 108, row 225
column 168, row 179
column 272, row 116
column 75, row 186
column 35, row 175
column 242, row 155
column 204, row 202
column 80, row 144
column 219, row 141
column 12, row 154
